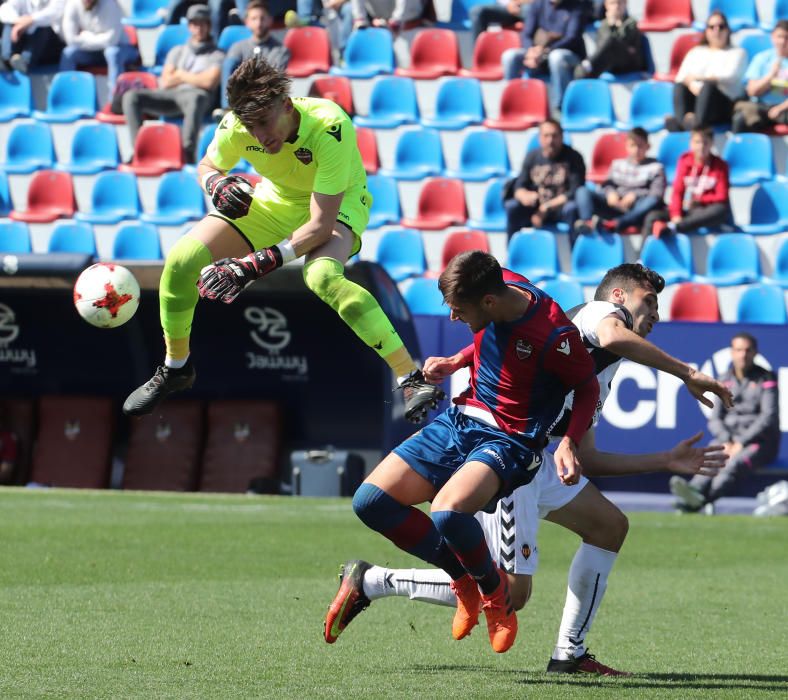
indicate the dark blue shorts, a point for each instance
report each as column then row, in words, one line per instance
column 452, row 439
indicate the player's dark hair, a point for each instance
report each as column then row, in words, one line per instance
column 254, row 88
column 555, row 123
column 257, row 5
column 470, row 276
column 638, row 133
column 627, row 277
column 782, row 24
column 746, row 336
column 704, row 131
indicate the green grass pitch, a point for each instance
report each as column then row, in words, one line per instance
column 129, row 595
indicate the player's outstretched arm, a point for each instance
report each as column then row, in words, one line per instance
column 437, row 369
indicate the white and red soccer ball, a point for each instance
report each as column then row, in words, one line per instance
column 106, row 295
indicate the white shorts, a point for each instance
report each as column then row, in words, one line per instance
column 511, row 531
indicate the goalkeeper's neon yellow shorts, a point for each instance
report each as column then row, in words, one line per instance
column 271, row 218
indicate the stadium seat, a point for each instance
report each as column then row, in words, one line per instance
column 14, row 237
column 114, row 198
column 6, row 205
column 336, row 88
column 750, row 159
column 567, row 293
column 458, row 242
column 418, row 154
column 493, row 213
column 671, row 256
column 678, row 51
column 73, row 447
column 157, row 149
column 670, row 149
column 136, row 241
column 206, row 136
column 594, row 254
column 433, row 53
column 391, row 104
column 50, row 196
column 368, row 147
column 16, row 96
column 608, row 147
column 587, row 105
column 780, row 11
column 310, row 51
column 243, row 443
column 523, row 104
column 232, row 34
column 369, row 52
column 741, row 14
column 733, row 259
column 651, row 102
column 29, row 148
column 664, row 15
column 75, row 237
column 94, row 148
column 755, row 43
column 424, row 298
column 71, row 96
column 385, row 201
column 487, row 51
column 401, row 253
column 695, row 302
column 170, row 36
column 139, row 78
column 458, row 104
column 179, row 198
column 762, row 303
column 441, row 204
column 146, row 14
column 483, row 155
column 533, row 254
column 781, row 266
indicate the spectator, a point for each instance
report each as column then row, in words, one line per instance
column 544, row 191
column 337, row 17
column 552, row 43
column 31, row 33
column 709, row 79
column 261, row 44
column 635, row 186
column 700, row 191
column 766, row 86
column 750, row 431
column 187, row 86
column 219, row 12
column 619, row 46
column 506, row 13
column 94, row 36
column 386, row 13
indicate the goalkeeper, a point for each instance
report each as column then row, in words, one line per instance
column 312, row 201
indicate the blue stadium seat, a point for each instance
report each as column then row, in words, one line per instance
column 94, row 148
column 753, row 44
column 16, row 96
column 14, row 237
column 750, row 159
column 781, row 266
column 741, row 14
column 29, row 148
column 6, row 205
column 418, row 154
column 114, row 198
column 458, row 104
column 587, row 105
column 780, row 11
column 733, row 259
column 391, row 104
column 76, row 237
column 385, row 201
column 368, row 53
column 670, row 149
column 483, row 155
column 651, row 102
column 71, row 96
column 762, row 303
column 136, row 241
column 178, row 199
column 232, row 34
column 533, row 254
column 206, row 136
column 493, row 214
column 594, row 254
column 671, row 256
column 401, row 254
column 145, row 14
column 172, row 35
column 424, row 298
column 634, row 76
column 567, row 293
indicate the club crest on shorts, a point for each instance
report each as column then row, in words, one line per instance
column 304, row 155
column 523, row 349
column 526, row 550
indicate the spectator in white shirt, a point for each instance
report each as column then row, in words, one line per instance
column 31, row 33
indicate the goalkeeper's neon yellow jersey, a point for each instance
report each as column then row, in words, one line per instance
column 324, row 157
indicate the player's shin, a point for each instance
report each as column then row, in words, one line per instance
column 425, row 585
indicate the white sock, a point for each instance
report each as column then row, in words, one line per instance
column 587, row 583
column 427, row 585
column 175, row 364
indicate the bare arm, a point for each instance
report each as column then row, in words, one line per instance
column 207, row 79
column 169, row 77
column 323, row 212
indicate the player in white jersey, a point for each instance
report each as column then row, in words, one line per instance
column 613, row 327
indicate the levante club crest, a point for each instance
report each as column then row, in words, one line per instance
column 304, row 155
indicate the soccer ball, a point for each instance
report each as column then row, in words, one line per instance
column 106, row 295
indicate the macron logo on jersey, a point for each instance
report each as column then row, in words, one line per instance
column 564, row 348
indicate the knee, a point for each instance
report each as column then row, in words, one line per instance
column 324, row 277
column 130, row 100
column 111, row 53
column 520, row 586
column 618, row 527
column 366, row 501
column 185, row 258
column 559, row 59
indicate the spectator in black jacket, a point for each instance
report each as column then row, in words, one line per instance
column 619, row 44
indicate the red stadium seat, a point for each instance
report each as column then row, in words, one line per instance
column 433, row 53
column 441, row 204
column 459, row 241
column 523, row 105
column 49, row 197
column 146, row 80
column 336, row 88
column 695, row 302
column 664, row 15
column 368, row 146
column 310, row 51
column 608, row 147
column 681, row 47
column 157, row 149
column 487, row 51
